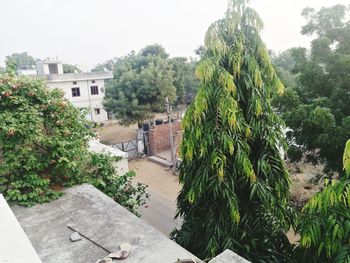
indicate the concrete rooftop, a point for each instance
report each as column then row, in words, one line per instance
column 99, row 218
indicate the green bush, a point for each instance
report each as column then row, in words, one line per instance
column 324, row 225
column 120, row 188
column 44, row 147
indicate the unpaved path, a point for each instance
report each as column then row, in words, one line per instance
column 164, row 187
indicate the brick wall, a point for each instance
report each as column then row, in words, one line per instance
column 158, row 136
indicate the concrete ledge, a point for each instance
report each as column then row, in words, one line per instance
column 100, row 219
column 159, row 160
column 228, row 257
column 14, row 244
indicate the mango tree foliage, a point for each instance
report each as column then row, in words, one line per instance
column 140, row 84
column 185, row 80
column 325, row 223
column 235, row 184
column 317, row 109
column 20, row 61
column 44, row 147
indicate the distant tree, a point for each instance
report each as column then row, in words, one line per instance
column 318, row 109
column 185, row 81
column 106, row 66
column 20, row 61
column 154, row 50
column 285, row 63
column 140, row 84
column 67, row 68
column 200, row 51
column 324, row 227
column 235, row 192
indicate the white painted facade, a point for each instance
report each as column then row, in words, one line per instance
column 85, row 90
column 86, row 98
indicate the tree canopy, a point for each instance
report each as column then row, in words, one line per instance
column 317, row 108
column 143, row 80
column 235, row 184
column 20, row 60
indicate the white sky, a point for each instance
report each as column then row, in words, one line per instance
column 87, row 32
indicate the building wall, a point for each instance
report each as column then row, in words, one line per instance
column 86, row 99
column 159, row 138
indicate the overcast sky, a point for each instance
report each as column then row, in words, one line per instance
column 87, row 32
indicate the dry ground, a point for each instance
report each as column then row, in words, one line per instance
column 163, row 186
column 112, row 132
column 157, row 177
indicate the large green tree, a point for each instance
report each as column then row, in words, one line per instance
column 317, row 109
column 185, row 81
column 20, row 60
column 235, row 184
column 140, row 84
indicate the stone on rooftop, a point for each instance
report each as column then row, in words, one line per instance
column 75, row 236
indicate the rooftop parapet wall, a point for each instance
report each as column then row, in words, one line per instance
column 75, row 76
column 14, row 244
column 228, row 257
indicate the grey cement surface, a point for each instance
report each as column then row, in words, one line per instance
column 228, row 257
column 99, row 218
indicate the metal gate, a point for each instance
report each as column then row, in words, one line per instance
column 129, row 147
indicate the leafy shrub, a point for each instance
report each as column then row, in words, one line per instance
column 325, row 222
column 119, row 188
column 43, row 146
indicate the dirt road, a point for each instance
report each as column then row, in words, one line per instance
column 163, row 187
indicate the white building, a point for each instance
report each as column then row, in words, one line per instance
column 82, row 89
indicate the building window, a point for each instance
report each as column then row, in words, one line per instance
column 74, row 83
column 93, row 81
column 94, row 90
column 75, row 92
column 97, row 111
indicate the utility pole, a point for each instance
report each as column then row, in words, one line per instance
column 171, row 136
